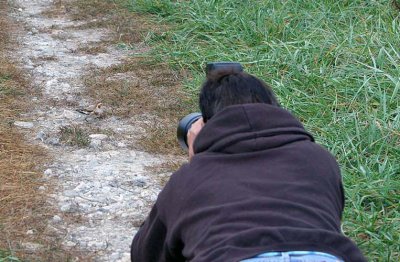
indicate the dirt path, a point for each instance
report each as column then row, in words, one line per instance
column 104, row 187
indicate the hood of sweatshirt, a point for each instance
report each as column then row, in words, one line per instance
column 249, row 128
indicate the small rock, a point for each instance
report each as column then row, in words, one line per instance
column 120, row 144
column 71, row 193
column 69, row 244
column 84, row 207
column 126, row 257
column 140, row 182
column 42, row 188
column 98, row 136
column 30, row 232
column 115, row 256
column 48, row 172
column 53, row 141
column 31, row 247
column 68, row 114
column 106, row 190
column 20, row 9
column 34, row 31
column 94, row 143
column 22, row 124
column 102, row 210
column 65, row 86
column 66, row 208
column 96, row 245
column 40, row 136
column 56, row 219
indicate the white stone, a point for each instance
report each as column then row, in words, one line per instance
column 31, row 247
column 48, row 172
column 84, row 207
column 69, row 243
column 115, row 256
column 56, row 219
column 97, row 245
column 53, row 141
column 126, row 257
column 68, row 114
column 27, row 125
column 71, row 193
column 120, row 144
column 41, row 136
column 66, row 207
column 30, row 232
column 98, row 136
column 95, row 143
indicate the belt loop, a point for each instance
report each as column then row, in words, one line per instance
column 286, row 257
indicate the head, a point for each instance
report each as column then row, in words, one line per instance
column 228, row 86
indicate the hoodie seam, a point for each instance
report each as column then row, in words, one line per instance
column 251, row 129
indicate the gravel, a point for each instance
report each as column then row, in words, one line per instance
column 107, row 184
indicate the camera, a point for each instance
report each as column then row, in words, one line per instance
column 186, row 122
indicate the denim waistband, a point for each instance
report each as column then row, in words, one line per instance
column 294, row 256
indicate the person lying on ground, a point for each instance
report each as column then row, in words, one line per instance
column 257, row 186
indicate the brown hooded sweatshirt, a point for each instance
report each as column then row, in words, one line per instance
column 257, row 183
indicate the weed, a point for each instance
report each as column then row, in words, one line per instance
column 74, row 136
column 5, row 256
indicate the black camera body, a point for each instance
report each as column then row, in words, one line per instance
column 186, row 122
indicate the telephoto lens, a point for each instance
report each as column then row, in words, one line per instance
column 183, row 128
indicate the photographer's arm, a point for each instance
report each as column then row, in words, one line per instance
column 192, row 134
column 149, row 242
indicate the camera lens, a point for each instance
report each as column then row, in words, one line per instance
column 184, row 126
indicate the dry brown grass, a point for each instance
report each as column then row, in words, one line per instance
column 93, row 50
column 137, row 86
column 125, row 27
column 23, row 206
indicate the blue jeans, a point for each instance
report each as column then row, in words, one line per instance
column 294, row 256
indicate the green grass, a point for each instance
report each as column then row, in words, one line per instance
column 5, row 256
column 334, row 64
column 74, row 136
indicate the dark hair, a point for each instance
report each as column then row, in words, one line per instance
column 225, row 87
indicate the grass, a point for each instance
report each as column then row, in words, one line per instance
column 74, row 136
column 7, row 257
column 334, row 64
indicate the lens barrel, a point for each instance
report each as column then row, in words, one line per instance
column 184, row 126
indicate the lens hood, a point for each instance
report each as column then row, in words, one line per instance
column 184, row 126
column 215, row 66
